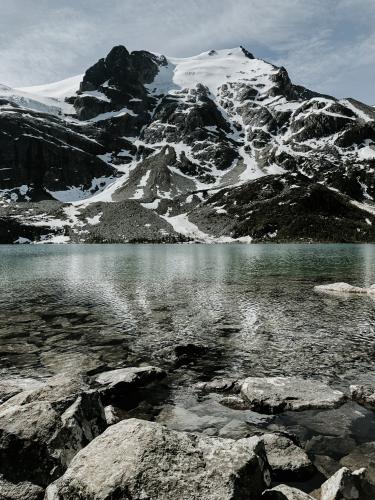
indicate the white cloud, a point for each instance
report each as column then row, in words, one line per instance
column 325, row 45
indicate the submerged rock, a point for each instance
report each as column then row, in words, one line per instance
column 344, row 288
column 336, row 446
column 235, row 429
column 326, row 465
column 217, row 385
column 185, row 354
column 284, row 492
column 347, row 485
column 234, row 402
column 183, row 419
column 140, row 459
column 288, row 461
column 339, row 423
column 278, row 394
column 363, row 395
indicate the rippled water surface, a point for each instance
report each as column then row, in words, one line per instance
column 253, row 306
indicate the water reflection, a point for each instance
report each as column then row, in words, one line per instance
column 253, row 306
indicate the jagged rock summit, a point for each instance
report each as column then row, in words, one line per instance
column 219, row 147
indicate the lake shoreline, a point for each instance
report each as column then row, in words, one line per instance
column 208, row 316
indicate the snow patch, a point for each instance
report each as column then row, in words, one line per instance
column 93, row 221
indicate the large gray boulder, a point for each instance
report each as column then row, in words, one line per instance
column 41, row 430
column 284, row 492
column 278, row 394
column 347, row 485
column 288, row 462
column 143, row 460
column 20, row 491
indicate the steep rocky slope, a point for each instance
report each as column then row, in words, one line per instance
column 217, row 147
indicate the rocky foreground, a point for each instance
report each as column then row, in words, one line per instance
column 75, row 437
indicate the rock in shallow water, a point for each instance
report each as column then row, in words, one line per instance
column 344, row 288
column 363, row 395
column 347, row 485
column 216, row 385
column 288, row 461
column 139, row 459
column 118, row 383
column 278, row 394
column 362, row 456
column 326, row 465
column 283, row 492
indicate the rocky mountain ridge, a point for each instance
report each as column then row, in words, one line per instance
column 219, row 147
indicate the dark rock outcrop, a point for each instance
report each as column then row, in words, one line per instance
column 41, row 153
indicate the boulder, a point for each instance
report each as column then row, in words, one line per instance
column 278, row 394
column 41, row 430
column 347, row 485
column 121, row 383
column 362, row 456
column 140, row 459
column 20, row 491
column 288, row 462
column 363, row 395
column 129, row 377
column 12, row 386
column 60, row 391
column 283, row 492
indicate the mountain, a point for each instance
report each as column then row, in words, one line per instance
column 215, row 148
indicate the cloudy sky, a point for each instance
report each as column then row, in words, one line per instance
column 327, row 45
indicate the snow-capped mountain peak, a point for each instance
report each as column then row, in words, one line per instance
column 177, row 138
